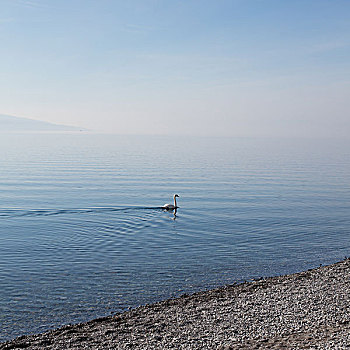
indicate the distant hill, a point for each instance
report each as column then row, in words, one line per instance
column 12, row 124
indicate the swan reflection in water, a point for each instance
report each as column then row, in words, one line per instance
column 175, row 211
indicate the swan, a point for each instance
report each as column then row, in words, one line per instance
column 171, row 206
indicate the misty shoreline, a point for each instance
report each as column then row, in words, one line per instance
column 300, row 310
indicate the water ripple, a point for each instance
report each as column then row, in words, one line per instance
column 11, row 213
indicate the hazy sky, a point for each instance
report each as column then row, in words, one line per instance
column 203, row 67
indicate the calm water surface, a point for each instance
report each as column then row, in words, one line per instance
column 82, row 234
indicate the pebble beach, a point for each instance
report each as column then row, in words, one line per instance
column 306, row 310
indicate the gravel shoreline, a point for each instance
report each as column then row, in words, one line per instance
column 306, row 310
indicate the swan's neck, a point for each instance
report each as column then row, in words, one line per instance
column 175, row 205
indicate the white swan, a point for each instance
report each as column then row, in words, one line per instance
column 171, row 206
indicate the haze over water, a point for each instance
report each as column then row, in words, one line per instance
column 83, row 235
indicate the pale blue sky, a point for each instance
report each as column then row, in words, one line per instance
column 230, row 67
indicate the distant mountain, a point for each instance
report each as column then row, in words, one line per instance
column 12, row 124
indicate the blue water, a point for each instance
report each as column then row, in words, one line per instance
column 82, row 234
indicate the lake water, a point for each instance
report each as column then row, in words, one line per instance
column 82, row 234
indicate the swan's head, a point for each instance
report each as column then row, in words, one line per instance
column 176, row 195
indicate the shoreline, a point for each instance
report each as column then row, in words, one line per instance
column 300, row 310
